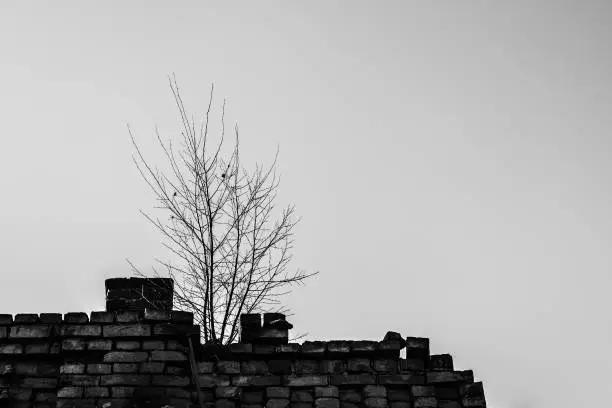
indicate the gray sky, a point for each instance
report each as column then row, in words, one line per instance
column 450, row 161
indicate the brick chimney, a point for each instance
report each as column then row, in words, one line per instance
column 138, row 294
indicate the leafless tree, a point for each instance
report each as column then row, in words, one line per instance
column 232, row 248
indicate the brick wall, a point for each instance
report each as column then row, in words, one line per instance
column 137, row 356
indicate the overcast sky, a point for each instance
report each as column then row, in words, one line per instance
column 450, row 162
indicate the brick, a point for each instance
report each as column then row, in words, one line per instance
column 398, row 394
column 126, row 357
column 252, row 397
column 11, row 349
column 153, row 345
column 179, row 316
column 79, row 380
column 213, row 380
column 177, row 345
column 20, row 394
column 327, row 392
column 6, row 368
column 447, row 393
column 417, row 347
column 96, row 392
column 277, row 392
column 280, row 366
column 374, row 391
column 72, row 368
column 99, row 345
column 386, row 365
column 4, row 332
column 412, row 364
column 102, row 317
column 228, row 367
column 448, row 404
column 306, row 367
column 39, row 382
column 51, row 318
column 425, row 402
column 401, row 379
column 359, row 365
column 45, row 399
column 152, row 368
column 254, row 367
column 73, row 344
column 278, row 403
column 327, row 403
column 127, row 345
column 30, row 331
column 171, row 329
column 125, row 368
column 302, row 396
column 76, row 317
column 125, row 379
column 70, row 392
column 36, row 369
column 122, row 392
column 399, row 404
column 161, row 355
column 376, row 402
column 6, row 319
column 305, row 380
column 97, row 368
column 126, row 330
column 26, row 318
column 423, row 391
column 81, row 330
column 441, row 362
column 178, row 393
column 77, row 403
column 442, row 377
column 205, row 367
column 156, row 315
column 472, row 390
column 364, row 346
column 352, row 379
column 228, row 392
column 291, row 348
column 332, row 366
column 37, row 348
column 224, row 403
column 127, row 316
column 314, row 347
column 256, row 380
column 240, row 348
column 171, row 380
column 473, row 402
column 338, row 346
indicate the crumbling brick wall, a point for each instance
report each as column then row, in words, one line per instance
column 135, row 355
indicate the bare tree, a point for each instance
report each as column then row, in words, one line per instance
column 219, row 221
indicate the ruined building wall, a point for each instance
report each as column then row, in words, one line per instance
column 135, row 355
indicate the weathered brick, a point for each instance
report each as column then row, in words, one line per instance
column 256, row 380
column 473, row 402
column 359, row 365
column 252, row 397
column 171, row 380
column 206, row 367
column 6, row 368
column 153, row 345
column 425, row 402
column 327, row 402
column 127, row 316
column 79, row 380
column 162, row 355
column 277, row 392
column 152, row 368
column 177, row 393
column 338, row 346
column 385, row 365
column 314, row 347
column 179, row 316
column 254, row 367
column 224, row 403
column 214, row 380
column 73, row 344
column 374, row 391
column 78, row 403
column 306, row 366
column 401, row 379
column 99, row 345
column 72, row 368
column 291, row 348
column 38, row 382
column 240, row 348
column 30, row 331
column 398, row 394
column 448, row 404
column 76, row 317
column 125, row 368
column 305, row 380
column 399, row 404
column 26, row 318
column 441, row 377
column 423, row 391
column 472, row 390
column 11, row 349
column 70, row 392
column 332, row 366
column 125, row 379
column 126, row 330
column 20, row 394
column 278, row 403
column 330, row 391
column 127, row 345
column 228, row 367
column 156, row 315
column 126, row 357
column 280, row 366
column 123, row 392
column 52, row 318
column 417, row 347
column 37, row 348
column 228, row 392
column 6, row 319
column 97, row 368
column 81, row 330
column 40, row 369
column 412, row 364
column 447, row 393
column 441, row 362
column 352, row 379
column 45, row 399
column 4, row 332
column 298, row 395
column 96, row 392
column 375, row 402
column 363, row 346
column 102, row 317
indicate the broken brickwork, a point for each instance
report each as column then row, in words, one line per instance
column 138, row 355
